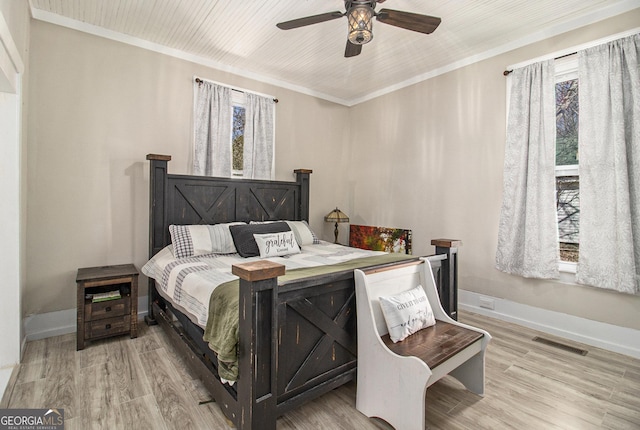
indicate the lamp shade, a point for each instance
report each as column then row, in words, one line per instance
column 336, row 215
column 360, row 24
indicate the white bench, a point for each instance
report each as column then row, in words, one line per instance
column 392, row 377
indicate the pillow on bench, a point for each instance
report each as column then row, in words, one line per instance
column 406, row 313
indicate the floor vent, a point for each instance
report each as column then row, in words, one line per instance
column 560, row 345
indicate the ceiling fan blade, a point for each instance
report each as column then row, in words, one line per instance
column 410, row 21
column 352, row 49
column 301, row 22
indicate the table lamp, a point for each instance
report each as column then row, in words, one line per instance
column 336, row 216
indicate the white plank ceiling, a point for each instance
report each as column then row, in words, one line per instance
column 241, row 36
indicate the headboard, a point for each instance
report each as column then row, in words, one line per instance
column 186, row 199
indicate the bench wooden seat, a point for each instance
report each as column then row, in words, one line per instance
column 435, row 344
column 392, row 378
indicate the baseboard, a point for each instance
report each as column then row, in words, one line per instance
column 614, row 338
column 606, row 336
column 57, row 323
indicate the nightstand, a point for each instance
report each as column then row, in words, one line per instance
column 107, row 302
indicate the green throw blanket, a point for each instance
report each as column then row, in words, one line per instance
column 221, row 332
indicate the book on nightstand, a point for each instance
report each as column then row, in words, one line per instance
column 103, row 297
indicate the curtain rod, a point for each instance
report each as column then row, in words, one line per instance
column 200, row 81
column 575, row 49
column 506, row 72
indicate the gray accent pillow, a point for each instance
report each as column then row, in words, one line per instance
column 243, row 236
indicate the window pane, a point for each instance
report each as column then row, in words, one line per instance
column 567, row 187
column 238, row 137
column 567, row 122
column 568, row 204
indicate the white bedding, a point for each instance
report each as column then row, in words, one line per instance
column 189, row 282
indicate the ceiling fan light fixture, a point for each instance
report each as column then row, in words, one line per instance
column 360, row 24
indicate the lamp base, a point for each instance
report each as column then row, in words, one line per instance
column 335, row 233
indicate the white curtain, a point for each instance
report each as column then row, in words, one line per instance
column 259, row 131
column 528, row 230
column 212, row 130
column 609, row 147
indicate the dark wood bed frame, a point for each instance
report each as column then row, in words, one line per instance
column 297, row 339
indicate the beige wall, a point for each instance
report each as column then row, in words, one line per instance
column 16, row 14
column 430, row 157
column 97, row 108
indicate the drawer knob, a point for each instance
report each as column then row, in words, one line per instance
column 108, row 326
column 107, row 309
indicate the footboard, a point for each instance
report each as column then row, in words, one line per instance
column 297, row 340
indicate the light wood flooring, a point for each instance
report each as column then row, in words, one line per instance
column 110, row 385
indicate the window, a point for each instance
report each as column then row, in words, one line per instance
column 237, row 140
column 222, row 118
column 567, row 174
column 240, row 110
column 593, row 219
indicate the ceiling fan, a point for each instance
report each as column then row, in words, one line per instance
column 360, row 14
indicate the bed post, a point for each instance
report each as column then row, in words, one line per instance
column 302, row 176
column 257, row 344
column 157, row 216
column 448, row 285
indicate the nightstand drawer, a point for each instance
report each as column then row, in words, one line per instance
column 108, row 309
column 107, row 327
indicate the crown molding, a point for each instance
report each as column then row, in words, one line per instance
column 94, row 30
column 606, row 12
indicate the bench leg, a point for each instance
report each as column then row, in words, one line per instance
column 400, row 400
column 471, row 374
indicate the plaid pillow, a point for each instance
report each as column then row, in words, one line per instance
column 192, row 240
column 304, row 234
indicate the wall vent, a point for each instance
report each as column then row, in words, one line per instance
column 560, row 345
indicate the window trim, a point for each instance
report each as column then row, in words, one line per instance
column 568, row 170
column 567, row 266
column 566, row 68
